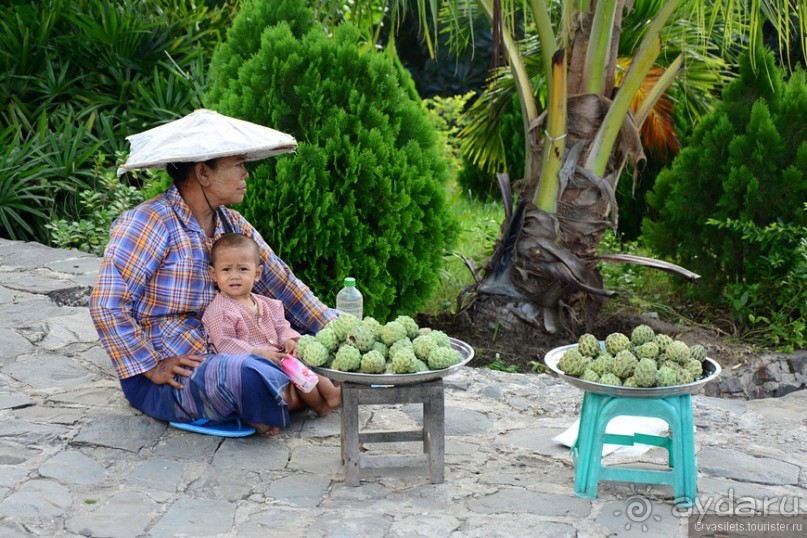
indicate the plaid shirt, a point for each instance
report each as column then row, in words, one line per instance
column 233, row 328
column 154, row 284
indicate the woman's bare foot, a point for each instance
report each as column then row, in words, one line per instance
column 263, row 429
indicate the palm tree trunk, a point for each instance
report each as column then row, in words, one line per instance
column 544, row 271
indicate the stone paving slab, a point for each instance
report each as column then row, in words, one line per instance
column 76, row 460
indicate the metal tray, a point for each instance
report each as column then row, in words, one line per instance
column 465, row 350
column 710, row 369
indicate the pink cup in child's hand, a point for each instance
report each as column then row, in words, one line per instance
column 302, row 377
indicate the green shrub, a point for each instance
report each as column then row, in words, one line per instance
column 99, row 207
column 772, row 309
column 446, row 113
column 742, row 171
column 364, row 194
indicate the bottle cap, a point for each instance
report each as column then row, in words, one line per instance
column 350, row 281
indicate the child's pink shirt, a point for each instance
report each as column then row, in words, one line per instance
column 234, row 328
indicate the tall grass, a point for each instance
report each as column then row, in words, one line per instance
column 480, row 222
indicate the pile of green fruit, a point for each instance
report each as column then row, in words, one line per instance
column 645, row 359
column 348, row 344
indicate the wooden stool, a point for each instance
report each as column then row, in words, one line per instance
column 430, row 394
column 599, row 409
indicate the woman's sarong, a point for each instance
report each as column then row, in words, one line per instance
column 221, row 388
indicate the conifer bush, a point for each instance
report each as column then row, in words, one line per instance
column 364, row 194
column 741, row 172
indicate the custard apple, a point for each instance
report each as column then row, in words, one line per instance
column 373, row 362
column 360, row 336
column 645, row 373
column 604, row 364
column 666, row 377
column 590, row 375
column 662, row 341
column 573, row 363
column 610, row 379
column 372, row 324
column 678, row 352
column 327, row 337
column 698, row 352
column 314, row 354
column 410, row 326
column 443, row 357
column 423, row 346
column 402, row 343
column 347, row 359
column 588, row 345
column 342, row 325
column 381, row 348
column 441, row 338
column 404, row 361
column 616, row 342
column 683, row 376
column 624, row 364
column 391, row 332
column 641, row 335
column 303, row 342
column 695, row 368
column 648, row 350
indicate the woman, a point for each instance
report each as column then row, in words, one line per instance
column 152, row 290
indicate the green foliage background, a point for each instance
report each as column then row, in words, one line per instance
column 731, row 206
column 76, row 78
column 364, row 195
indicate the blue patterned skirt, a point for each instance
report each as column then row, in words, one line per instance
column 222, row 388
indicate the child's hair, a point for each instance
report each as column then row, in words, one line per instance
column 234, row 240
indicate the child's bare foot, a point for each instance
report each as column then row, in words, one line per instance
column 323, row 410
column 334, row 400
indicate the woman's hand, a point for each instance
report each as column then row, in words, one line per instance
column 167, row 369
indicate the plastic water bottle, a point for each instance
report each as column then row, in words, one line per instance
column 349, row 299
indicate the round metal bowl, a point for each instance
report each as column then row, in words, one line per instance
column 466, row 351
column 710, row 370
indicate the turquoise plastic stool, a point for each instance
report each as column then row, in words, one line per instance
column 599, row 409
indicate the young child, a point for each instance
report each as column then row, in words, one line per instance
column 239, row 321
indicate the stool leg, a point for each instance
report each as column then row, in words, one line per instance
column 688, row 466
column 342, row 431
column 589, row 456
column 350, row 433
column 677, row 460
column 434, row 432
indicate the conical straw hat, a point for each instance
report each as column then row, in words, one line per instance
column 201, row 136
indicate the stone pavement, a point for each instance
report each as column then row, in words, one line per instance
column 76, row 460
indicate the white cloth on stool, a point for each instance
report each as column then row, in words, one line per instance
column 621, row 425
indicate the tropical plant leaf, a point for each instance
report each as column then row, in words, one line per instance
column 23, row 187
